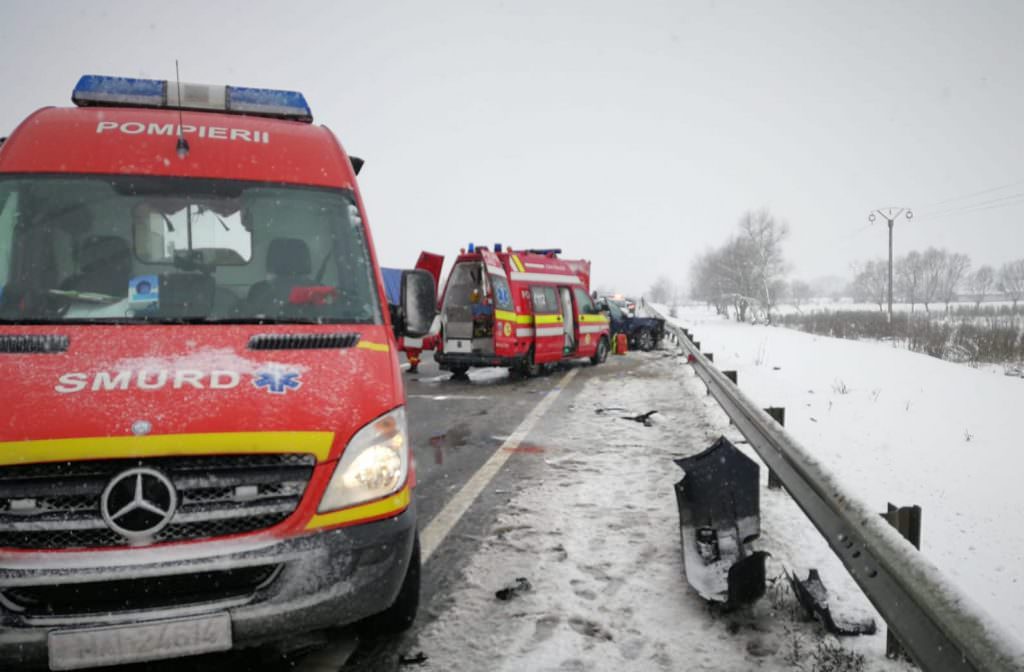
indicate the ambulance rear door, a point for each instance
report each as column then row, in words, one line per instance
column 500, row 297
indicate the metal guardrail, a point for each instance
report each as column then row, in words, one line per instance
column 941, row 628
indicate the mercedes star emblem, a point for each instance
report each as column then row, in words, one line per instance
column 138, row 503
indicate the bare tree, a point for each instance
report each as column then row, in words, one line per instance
column 1011, row 280
column 871, row 283
column 747, row 271
column 661, row 291
column 980, row 283
column 933, row 265
column 954, row 269
column 764, row 236
column 909, row 271
column 799, row 293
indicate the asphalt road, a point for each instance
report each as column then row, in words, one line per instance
column 456, row 427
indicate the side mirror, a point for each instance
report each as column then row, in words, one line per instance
column 418, row 304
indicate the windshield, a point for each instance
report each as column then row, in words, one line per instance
column 100, row 248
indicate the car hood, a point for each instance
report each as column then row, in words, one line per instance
column 188, row 379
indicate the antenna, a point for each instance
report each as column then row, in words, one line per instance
column 182, row 148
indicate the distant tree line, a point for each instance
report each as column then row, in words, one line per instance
column 935, row 276
column 748, row 272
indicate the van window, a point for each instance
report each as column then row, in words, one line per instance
column 502, row 295
column 545, row 300
column 172, row 249
column 583, row 302
column 8, row 217
column 466, row 278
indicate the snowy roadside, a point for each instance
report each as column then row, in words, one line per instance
column 596, row 535
column 901, row 427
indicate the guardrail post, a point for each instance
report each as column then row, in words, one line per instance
column 696, row 345
column 778, row 414
column 907, row 521
column 710, row 356
column 731, row 375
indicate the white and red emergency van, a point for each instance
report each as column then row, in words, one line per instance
column 203, row 439
column 522, row 309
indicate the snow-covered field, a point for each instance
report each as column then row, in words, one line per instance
column 596, row 533
column 900, row 427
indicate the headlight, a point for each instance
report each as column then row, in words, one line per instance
column 375, row 464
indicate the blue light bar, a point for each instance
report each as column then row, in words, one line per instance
column 269, row 102
column 97, row 89
column 129, row 92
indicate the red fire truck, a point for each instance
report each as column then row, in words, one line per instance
column 523, row 309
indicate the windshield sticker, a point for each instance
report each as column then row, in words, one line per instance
column 277, row 379
column 144, row 293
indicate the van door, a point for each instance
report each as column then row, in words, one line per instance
column 548, row 332
column 569, row 324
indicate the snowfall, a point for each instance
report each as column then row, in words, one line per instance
column 597, row 534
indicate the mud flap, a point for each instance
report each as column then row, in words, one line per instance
column 719, row 516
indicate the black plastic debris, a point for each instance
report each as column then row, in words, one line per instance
column 643, row 418
column 719, row 517
column 813, row 597
column 418, row 659
column 520, row 585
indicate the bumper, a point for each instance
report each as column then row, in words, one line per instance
column 447, row 360
column 319, row 580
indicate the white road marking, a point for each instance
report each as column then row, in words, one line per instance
column 434, row 533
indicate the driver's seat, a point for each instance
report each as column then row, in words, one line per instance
column 288, row 264
column 105, row 264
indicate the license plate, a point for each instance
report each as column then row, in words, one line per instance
column 93, row 647
column 458, row 345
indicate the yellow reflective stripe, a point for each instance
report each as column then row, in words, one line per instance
column 108, row 447
column 396, row 503
column 509, row 316
column 594, row 319
column 548, row 319
column 519, row 264
column 376, row 347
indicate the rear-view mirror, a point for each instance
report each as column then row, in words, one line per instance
column 418, row 303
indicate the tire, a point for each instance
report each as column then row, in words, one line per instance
column 645, row 340
column 458, row 371
column 529, row 368
column 601, row 354
column 400, row 615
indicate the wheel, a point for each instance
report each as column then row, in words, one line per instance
column 601, row 354
column 529, row 368
column 458, row 371
column 645, row 340
column 402, row 612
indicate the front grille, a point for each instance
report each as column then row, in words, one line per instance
column 57, row 505
column 303, row 341
column 70, row 599
column 26, row 344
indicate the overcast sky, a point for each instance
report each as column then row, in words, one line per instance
column 630, row 133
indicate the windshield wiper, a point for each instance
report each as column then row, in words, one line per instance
column 85, row 297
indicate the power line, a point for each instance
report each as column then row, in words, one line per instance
column 988, row 204
column 972, row 195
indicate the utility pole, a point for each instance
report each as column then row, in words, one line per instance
column 890, row 215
